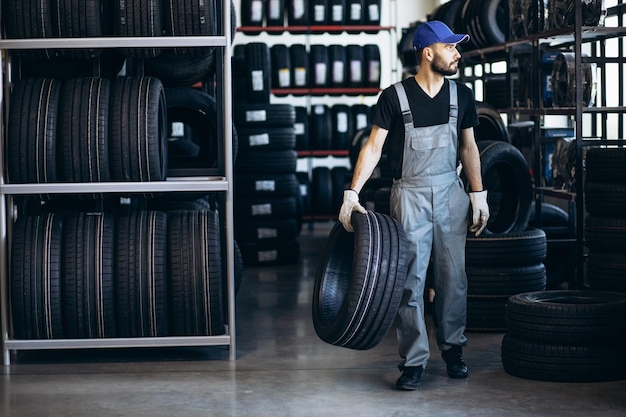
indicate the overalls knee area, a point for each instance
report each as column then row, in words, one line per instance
column 432, row 205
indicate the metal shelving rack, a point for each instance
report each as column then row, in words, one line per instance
column 572, row 38
column 220, row 183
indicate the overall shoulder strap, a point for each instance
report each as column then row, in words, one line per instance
column 454, row 99
column 407, row 117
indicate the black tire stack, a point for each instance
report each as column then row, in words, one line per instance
column 605, row 226
column 499, row 266
column 507, row 258
column 276, row 15
column 106, row 261
column 268, row 203
column 565, row 336
column 134, row 273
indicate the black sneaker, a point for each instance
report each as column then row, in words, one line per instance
column 454, row 362
column 410, row 377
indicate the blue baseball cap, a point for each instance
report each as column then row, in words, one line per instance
column 435, row 31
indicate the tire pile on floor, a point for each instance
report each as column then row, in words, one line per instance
column 565, row 336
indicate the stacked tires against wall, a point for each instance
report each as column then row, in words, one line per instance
column 605, row 225
column 93, row 265
column 268, row 201
column 507, row 258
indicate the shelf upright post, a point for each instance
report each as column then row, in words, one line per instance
column 228, row 173
column 4, row 297
column 579, row 147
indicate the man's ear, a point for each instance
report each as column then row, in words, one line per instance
column 428, row 53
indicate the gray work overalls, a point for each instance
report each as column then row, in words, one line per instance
column 430, row 202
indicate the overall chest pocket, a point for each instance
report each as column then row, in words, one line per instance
column 430, row 137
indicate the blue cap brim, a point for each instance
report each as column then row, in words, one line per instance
column 456, row 38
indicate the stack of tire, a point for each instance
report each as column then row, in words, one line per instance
column 74, row 121
column 325, row 66
column 500, row 265
column 124, row 274
column 87, row 130
column 605, row 226
column 294, row 13
column 507, row 258
column 565, row 336
column 268, row 203
column 88, row 18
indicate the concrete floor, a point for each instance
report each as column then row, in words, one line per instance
column 283, row 369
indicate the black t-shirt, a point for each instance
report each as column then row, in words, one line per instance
column 426, row 111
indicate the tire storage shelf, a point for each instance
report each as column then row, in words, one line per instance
column 567, row 67
column 203, row 184
column 310, row 35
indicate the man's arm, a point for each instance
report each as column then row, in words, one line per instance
column 470, row 158
column 368, row 157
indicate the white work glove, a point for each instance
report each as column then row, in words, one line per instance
column 480, row 212
column 350, row 204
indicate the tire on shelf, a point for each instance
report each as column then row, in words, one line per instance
column 275, row 162
column 506, row 176
column 321, row 122
column 342, row 126
column 138, row 18
column 191, row 18
column 355, row 59
column 80, row 19
column 141, row 274
column 606, row 271
column 197, row 111
column 605, row 199
column 339, row 177
column 605, row 234
column 270, row 253
column 320, row 68
column 372, row 65
column 338, row 68
column 301, row 127
column 258, row 75
column 137, row 130
column 300, row 65
column 88, row 279
column 491, row 126
column 31, row 131
column 266, row 138
column 35, row 280
column 193, row 236
column 265, row 208
column 360, row 281
column 283, row 229
column 281, row 66
column 567, row 317
column 266, row 185
column 265, row 115
column 30, row 19
column 322, row 191
column 606, row 165
column 84, row 130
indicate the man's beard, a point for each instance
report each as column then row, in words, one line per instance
column 439, row 66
